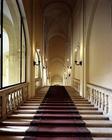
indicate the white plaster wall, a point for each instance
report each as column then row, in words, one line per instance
column 88, row 7
column 100, row 47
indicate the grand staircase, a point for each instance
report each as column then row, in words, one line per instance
column 58, row 115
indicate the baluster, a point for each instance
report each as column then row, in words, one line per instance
column 76, row 86
column 97, row 98
column 92, row 95
column 24, row 93
column 16, row 101
column 100, row 100
column 7, row 102
column 95, row 94
column 88, row 92
column 21, row 95
column 107, row 103
column 103, row 101
column 18, row 97
column 14, row 106
column 11, row 100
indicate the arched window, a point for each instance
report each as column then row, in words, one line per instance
column 37, row 66
column 12, row 44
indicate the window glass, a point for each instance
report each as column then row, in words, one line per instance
column 37, row 66
column 11, row 43
column 5, row 58
column 0, row 42
column 0, row 15
column 0, row 63
column 23, row 55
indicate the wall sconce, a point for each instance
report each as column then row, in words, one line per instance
column 78, row 62
column 36, row 64
column 69, row 67
column 44, row 67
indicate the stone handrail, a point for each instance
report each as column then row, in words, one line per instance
column 11, row 98
column 101, row 97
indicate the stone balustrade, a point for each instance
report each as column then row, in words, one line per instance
column 11, row 98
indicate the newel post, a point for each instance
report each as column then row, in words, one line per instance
column 4, row 106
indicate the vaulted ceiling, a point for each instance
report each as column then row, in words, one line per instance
column 57, row 30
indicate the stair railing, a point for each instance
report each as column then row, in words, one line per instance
column 11, row 98
column 101, row 97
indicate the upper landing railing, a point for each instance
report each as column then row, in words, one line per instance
column 98, row 96
column 101, row 97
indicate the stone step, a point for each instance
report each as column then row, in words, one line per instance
column 83, row 102
column 98, row 123
column 58, row 111
column 35, row 122
column 11, row 137
column 66, row 131
column 59, row 116
column 37, row 104
column 75, row 103
column 31, row 104
column 78, row 98
column 46, row 116
column 58, row 107
column 88, row 123
column 100, row 131
column 39, row 101
column 51, row 138
column 44, row 131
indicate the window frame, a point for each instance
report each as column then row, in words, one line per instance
column 22, row 28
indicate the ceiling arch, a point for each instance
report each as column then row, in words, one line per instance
column 61, row 35
column 59, row 5
column 57, row 59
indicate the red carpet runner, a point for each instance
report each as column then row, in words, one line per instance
column 57, row 119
